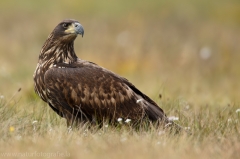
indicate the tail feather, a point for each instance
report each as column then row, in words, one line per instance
column 153, row 111
column 156, row 114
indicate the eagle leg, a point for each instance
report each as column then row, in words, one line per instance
column 76, row 117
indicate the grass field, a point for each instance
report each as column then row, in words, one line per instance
column 187, row 52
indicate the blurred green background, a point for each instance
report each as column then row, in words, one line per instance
column 186, row 49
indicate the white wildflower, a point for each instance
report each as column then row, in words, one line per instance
column 123, row 139
column 187, row 128
column 1, row 97
column 127, row 121
column 85, row 133
column 173, row 118
column 106, row 126
column 238, row 110
column 124, row 38
column 35, row 121
column 205, row 53
column 50, row 130
column 139, row 100
column 229, row 120
column 161, row 133
column 18, row 137
column 119, row 120
column 187, row 107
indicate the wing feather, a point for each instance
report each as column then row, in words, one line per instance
column 97, row 91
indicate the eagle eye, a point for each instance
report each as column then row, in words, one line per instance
column 65, row 25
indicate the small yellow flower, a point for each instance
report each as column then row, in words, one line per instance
column 11, row 129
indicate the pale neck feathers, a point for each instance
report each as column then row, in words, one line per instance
column 57, row 51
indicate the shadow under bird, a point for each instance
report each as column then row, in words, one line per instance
column 82, row 91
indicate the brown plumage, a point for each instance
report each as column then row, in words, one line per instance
column 82, row 91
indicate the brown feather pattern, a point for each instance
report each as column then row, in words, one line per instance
column 82, row 90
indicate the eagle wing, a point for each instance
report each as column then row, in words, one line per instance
column 86, row 89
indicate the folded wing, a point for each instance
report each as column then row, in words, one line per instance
column 88, row 91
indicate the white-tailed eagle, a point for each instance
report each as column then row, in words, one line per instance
column 82, row 91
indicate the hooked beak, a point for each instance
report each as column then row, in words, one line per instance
column 75, row 28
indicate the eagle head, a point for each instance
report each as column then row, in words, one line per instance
column 67, row 30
